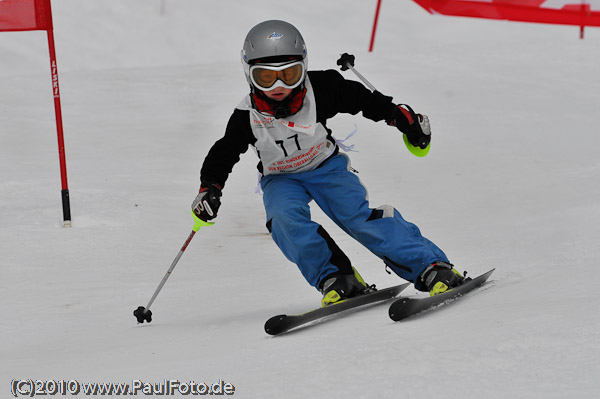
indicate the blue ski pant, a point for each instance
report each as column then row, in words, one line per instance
column 343, row 198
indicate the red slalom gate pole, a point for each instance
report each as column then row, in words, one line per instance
column 582, row 27
column 59, row 131
column 375, row 26
column 23, row 15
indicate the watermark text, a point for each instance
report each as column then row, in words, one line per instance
column 30, row 388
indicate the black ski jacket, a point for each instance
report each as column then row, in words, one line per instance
column 333, row 95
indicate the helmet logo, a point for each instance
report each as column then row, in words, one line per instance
column 275, row 36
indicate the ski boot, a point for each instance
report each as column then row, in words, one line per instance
column 440, row 277
column 343, row 286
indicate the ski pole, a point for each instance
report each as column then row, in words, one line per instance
column 143, row 313
column 346, row 62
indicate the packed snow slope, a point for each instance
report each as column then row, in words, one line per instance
column 511, row 182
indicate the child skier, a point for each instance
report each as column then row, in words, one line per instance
column 284, row 118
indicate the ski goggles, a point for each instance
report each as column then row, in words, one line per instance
column 268, row 77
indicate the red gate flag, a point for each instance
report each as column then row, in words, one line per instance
column 375, row 25
column 21, row 15
column 565, row 12
column 25, row 15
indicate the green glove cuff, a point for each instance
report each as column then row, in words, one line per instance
column 417, row 151
column 199, row 222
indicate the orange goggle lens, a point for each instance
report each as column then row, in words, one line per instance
column 265, row 77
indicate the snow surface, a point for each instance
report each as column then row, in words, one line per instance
column 511, row 182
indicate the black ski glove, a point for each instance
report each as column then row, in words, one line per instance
column 415, row 126
column 207, row 202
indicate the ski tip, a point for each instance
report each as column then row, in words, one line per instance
column 394, row 315
column 489, row 273
column 273, row 326
column 406, row 307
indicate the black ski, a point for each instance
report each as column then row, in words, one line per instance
column 405, row 307
column 283, row 323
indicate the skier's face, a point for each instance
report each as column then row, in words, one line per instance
column 278, row 94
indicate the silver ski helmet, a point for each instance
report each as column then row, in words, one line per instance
column 275, row 43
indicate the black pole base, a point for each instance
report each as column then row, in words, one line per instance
column 346, row 61
column 141, row 314
column 66, row 205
